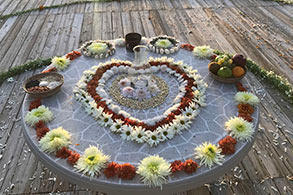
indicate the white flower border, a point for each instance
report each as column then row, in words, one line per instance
column 160, row 50
column 131, row 132
column 111, row 49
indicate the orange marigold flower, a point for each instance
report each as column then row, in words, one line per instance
column 177, row 165
column 111, row 169
column 41, row 131
column 50, row 70
column 41, row 7
column 246, row 117
column 63, row 153
column 73, row 158
column 189, row 166
column 35, row 104
column 245, row 108
column 126, row 171
column 227, row 145
column 240, row 87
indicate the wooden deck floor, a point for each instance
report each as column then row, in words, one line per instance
column 262, row 30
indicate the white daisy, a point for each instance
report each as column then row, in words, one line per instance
column 126, row 132
column 116, row 127
column 183, row 121
column 153, row 138
column 138, row 134
column 106, row 120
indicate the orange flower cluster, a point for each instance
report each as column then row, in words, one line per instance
column 53, row 69
column 124, row 171
column 189, row 166
column 41, row 129
column 63, row 153
column 187, row 47
column 240, row 87
column 73, row 158
column 244, row 110
column 227, row 145
column 73, row 55
column 35, row 104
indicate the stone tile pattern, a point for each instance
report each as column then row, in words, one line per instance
column 207, row 126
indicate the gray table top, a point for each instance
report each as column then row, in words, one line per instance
column 207, row 126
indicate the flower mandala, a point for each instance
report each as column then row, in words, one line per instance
column 98, row 49
column 164, row 45
column 92, row 92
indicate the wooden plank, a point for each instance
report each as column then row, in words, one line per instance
column 117, row 25
column 6, row 27
column 126, row 22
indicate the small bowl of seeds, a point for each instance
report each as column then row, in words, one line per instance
column 43, row 84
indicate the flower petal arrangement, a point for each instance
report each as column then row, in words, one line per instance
column 98, row 49
column 203, row 51
column 154, row 171
column 54, row 140
column 163, row 44
column 240, row 128
column 60, row 63
column 92, row 161
column 42, row 113
column 246, row 98
column 209, row 154
column 91, row 92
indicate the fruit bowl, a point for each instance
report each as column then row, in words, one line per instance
column 40, row 94
column 227, row 80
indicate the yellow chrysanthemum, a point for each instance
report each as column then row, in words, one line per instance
column 60, row 63
column 92, row 161
column 208, row 154
column 42, row 113
column 163, row 43
column 239, row 128
column 98, row 48
column 54, row 140
column 203, row 51
column 154, row 170
column 246, row 98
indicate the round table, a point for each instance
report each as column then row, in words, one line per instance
column 207, row 126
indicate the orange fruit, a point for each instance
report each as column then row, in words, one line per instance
column 238, row 71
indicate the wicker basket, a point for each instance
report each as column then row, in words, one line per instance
column 50, row 92
column 227, row 80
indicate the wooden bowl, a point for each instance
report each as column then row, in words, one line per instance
column 41, row 94
column 228, row 80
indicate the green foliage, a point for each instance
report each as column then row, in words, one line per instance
column 281, row 83
column 23, row 68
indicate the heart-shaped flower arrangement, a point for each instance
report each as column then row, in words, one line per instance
column 91, row 92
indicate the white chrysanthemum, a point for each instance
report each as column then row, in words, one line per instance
column 60, row 63
column 239, row 128
column 154, row 171
column 163, row 43
column 106, row 120
column 209, row 154
column 42, row 113
column 183, row 121
column 153, row 138
column 116, row 127
column 119, row 42
column 98, row 48
column 126, row 132
column 54, row 140
column 138, row 134
column 203, row 51
column 92, row 161
column 246, row 98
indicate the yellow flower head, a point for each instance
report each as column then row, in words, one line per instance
column 208, row 154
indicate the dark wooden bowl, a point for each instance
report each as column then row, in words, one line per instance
column 41, row 94
column 227, row 80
